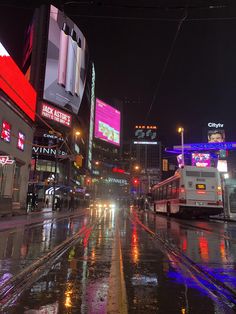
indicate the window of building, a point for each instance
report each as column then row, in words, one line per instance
column 6, row 131
column 21, row 141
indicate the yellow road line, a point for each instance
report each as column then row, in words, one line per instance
column 117, row 297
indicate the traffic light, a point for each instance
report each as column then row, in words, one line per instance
column 88, row 181
column 135, row 181
column 79, row 160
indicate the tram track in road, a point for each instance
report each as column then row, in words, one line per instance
column 215, row 288
column 11, row 290
column 200, row 228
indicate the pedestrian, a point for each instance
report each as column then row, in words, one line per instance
column 72, row 203
column 58, row 203
column 47, row 202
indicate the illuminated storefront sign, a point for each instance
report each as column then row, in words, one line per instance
column 146, row 143
column 5, row 160
column 15, row 85
column 55, row 114
column 118, row 170
column 116, row 180
column 47, row 151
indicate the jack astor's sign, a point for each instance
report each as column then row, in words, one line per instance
column 55, row 114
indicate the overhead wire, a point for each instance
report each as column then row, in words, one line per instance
column 165, row 65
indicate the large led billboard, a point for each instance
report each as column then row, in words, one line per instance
column 216, row 132
column 201, row 160
column 15, row 85
column 107, row 123
column 146, row 133
column 65, row 73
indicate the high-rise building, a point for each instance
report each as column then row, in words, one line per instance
column 146, row 150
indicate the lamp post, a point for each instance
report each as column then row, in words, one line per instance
column 181, row 131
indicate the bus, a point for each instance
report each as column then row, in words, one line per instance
column 191, row 192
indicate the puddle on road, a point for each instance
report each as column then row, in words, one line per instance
column 77, row 283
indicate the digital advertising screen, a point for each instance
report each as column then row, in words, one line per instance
column 15, row 85
column 201, row 160
column 107, row 123
column 216, row 133
column 145, row 133
column 65, row 74
column 222, row 165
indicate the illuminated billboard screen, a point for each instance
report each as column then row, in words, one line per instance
column 216, row 136
column 145, row 133
column 201, row 160
column 54, row 114
column 222, row 165
column 216, row 133
column 107, row 123
column 65, row 74
column 15, row 85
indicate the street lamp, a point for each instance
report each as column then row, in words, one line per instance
column 181, row 131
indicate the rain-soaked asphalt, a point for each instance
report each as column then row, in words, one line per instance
column 118, row 261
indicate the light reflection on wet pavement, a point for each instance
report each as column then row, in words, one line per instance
column 155, row 283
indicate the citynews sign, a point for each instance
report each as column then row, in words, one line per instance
column 55, row 114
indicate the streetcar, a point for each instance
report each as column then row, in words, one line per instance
column 191, row 192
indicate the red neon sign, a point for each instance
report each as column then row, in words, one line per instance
column 118, row 170
column 6, row 131
column 15, row 85
column 55, row 114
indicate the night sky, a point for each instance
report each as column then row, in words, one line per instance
column 130, row 42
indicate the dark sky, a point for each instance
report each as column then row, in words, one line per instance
column 130, row 42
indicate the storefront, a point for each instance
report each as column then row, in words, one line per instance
column 17, row 114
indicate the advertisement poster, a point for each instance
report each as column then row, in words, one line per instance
column 65, row 74
column 201, row 160
column 216, row 133
column 107, row 123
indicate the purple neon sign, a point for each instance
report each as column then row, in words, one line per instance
column 206, row 146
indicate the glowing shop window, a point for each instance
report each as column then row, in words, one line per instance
column 21, row 141
column 6, row 131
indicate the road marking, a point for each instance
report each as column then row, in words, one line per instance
column 117, row 297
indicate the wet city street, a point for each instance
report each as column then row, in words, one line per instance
column 106, row 259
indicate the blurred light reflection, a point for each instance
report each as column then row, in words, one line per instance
column 134, row 244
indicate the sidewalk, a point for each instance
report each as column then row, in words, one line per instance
column 34, row 217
